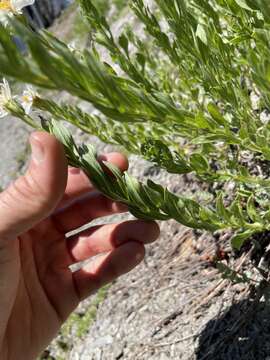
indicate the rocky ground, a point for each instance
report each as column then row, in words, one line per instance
column 175, row 305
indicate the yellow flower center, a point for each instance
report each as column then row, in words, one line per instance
column 6, row 5
column 26, row 98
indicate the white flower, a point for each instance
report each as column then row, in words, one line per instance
column 5, row 97
column 27, row 99
column 12, row 7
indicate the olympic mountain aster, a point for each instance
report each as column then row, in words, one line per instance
column 12, row 7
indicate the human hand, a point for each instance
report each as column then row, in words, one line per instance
column 38, row 290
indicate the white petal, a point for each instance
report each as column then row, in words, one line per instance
column 3, row 113
column 5, row 91
column 27, row 106
column 4, row 17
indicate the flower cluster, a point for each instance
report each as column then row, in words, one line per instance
column 25, row 100
column 12, row 7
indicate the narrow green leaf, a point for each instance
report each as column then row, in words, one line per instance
column 251, row 210
column 199, row 163
column 243, row 5
column 238, row 240
column 201, row 34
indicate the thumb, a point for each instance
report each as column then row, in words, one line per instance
column 34, row 196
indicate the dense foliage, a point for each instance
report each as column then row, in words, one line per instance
column 191, row 95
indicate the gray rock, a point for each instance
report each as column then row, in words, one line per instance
column 13, row 149
column 44, row 12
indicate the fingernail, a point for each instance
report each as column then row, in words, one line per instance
column 139, row 230
column 74, row 171
column 102, row 157
column 122, row 207
column 38, row 152
column 139, row 256
column 119, row 207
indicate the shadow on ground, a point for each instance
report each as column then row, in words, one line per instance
column 242, row 332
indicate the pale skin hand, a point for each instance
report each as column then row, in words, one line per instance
column 38, row 291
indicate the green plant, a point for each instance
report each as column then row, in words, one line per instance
column 183, row 100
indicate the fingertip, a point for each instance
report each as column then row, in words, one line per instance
column 135, row 252
column 39, row 135
column 118, row 207
column 144, row 232
column 140, row 252
column 74, row 171
column 49, row 142
column 156, row 230
column 148, row 231
column 49, row 166
column 116, row 159
column 43, row 136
